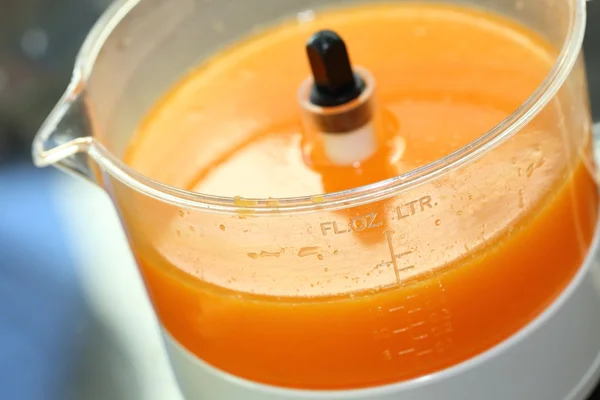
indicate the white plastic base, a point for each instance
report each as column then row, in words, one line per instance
column 556, row 357
column 347, row 148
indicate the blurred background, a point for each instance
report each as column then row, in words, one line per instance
column 60, row 332
column 68, row 286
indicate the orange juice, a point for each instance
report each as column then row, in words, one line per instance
column 452, row 75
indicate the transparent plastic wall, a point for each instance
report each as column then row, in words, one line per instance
column 157, row 44
column 347, row 244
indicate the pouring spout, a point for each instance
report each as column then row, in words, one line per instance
column 65, row 138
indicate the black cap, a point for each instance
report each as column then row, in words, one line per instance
column 335, row 82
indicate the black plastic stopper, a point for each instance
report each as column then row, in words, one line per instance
column 335, row 82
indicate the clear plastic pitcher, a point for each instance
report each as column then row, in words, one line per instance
column 277, row 269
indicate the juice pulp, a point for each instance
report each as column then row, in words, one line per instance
column 452, row 75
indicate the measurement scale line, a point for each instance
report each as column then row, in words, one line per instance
column 388, row 235
column 396, row 308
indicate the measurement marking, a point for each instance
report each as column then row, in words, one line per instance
column 425, row 336
column 414, row 310
column 424, row 352
column 407, row 351
column 388, row 235
column 400, row 330
column 386, row 264
column 417, row 324
column 387, row 355
column 396, row 309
